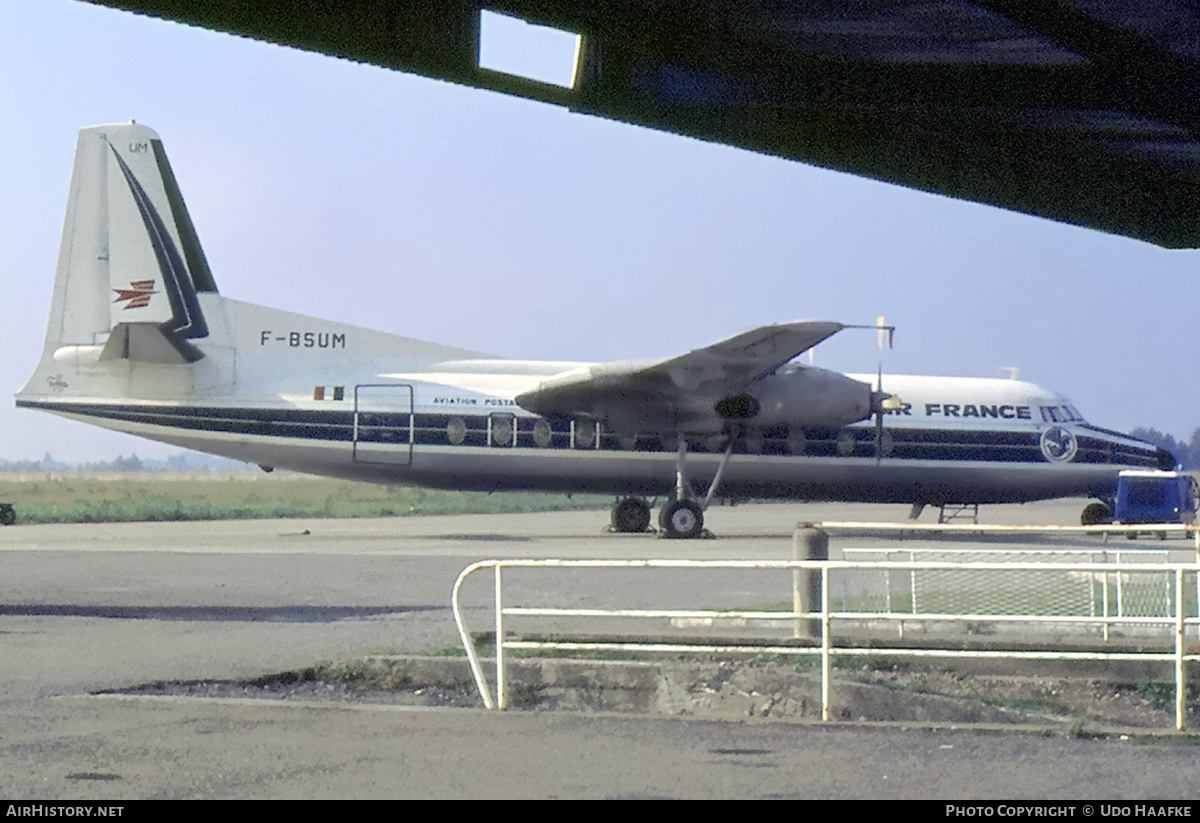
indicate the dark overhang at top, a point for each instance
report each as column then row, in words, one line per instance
column 1083, row 111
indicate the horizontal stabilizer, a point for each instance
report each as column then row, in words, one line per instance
column 148, row 343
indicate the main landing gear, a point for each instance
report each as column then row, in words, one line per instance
column 676, row 519
column 631, row 515
column 683, row 516
column 681, row 519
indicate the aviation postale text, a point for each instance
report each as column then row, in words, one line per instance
column 473, row 401
column 304, row 339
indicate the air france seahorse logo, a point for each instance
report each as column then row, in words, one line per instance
column 1058, row 444
column 138, row 294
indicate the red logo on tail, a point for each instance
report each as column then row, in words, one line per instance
column 138, row 294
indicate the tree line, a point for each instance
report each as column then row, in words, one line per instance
column 1186, row 453
column 184, row 462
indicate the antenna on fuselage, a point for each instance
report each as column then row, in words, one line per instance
column 1014, row 372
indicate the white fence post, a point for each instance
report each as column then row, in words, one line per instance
column 500, row 702
column 1180, row 685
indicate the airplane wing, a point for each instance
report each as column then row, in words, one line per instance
column 731, row 365
column 662, row 394
column 1082, row 112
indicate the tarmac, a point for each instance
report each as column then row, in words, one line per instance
column 86, row 608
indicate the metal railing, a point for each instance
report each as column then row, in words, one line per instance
column 1177, row 622
column 1113, row 588
column 1188, row 531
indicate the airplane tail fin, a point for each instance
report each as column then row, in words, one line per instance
column 130, row 264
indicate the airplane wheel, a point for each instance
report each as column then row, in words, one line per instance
column 681, row 519
column 631, row 515
column 1095, row 514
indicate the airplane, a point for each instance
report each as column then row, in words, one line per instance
column 140, row 341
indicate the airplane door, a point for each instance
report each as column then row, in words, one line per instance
column 383, row 424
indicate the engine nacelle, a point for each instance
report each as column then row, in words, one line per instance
column 801, row 396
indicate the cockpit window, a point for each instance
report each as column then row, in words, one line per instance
column 1065, row 413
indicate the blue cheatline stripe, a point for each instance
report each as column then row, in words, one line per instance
column 431, row 430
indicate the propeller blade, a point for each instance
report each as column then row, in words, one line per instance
column 882, row 401
column 878, row 435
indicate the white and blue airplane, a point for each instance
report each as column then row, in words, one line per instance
column 140, row 341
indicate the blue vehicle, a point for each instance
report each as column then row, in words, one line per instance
column 1156, row 497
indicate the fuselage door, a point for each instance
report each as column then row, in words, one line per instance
column 383, row 424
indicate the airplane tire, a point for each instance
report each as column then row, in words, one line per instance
column 1095, row 514
column 631, row 515
column 681, row 519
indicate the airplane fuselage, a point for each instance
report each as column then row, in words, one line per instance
column 314, row 396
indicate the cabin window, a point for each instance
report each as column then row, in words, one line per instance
column 797, row 442
column 887, row 444
column 845, row 444
column 456, row 431
column 583, row 433
column 542, row 434
column 500, row 430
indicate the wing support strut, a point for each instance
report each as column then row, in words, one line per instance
column 712, row 489
column 684, row 516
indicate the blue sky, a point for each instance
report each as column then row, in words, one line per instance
column 478, row 220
